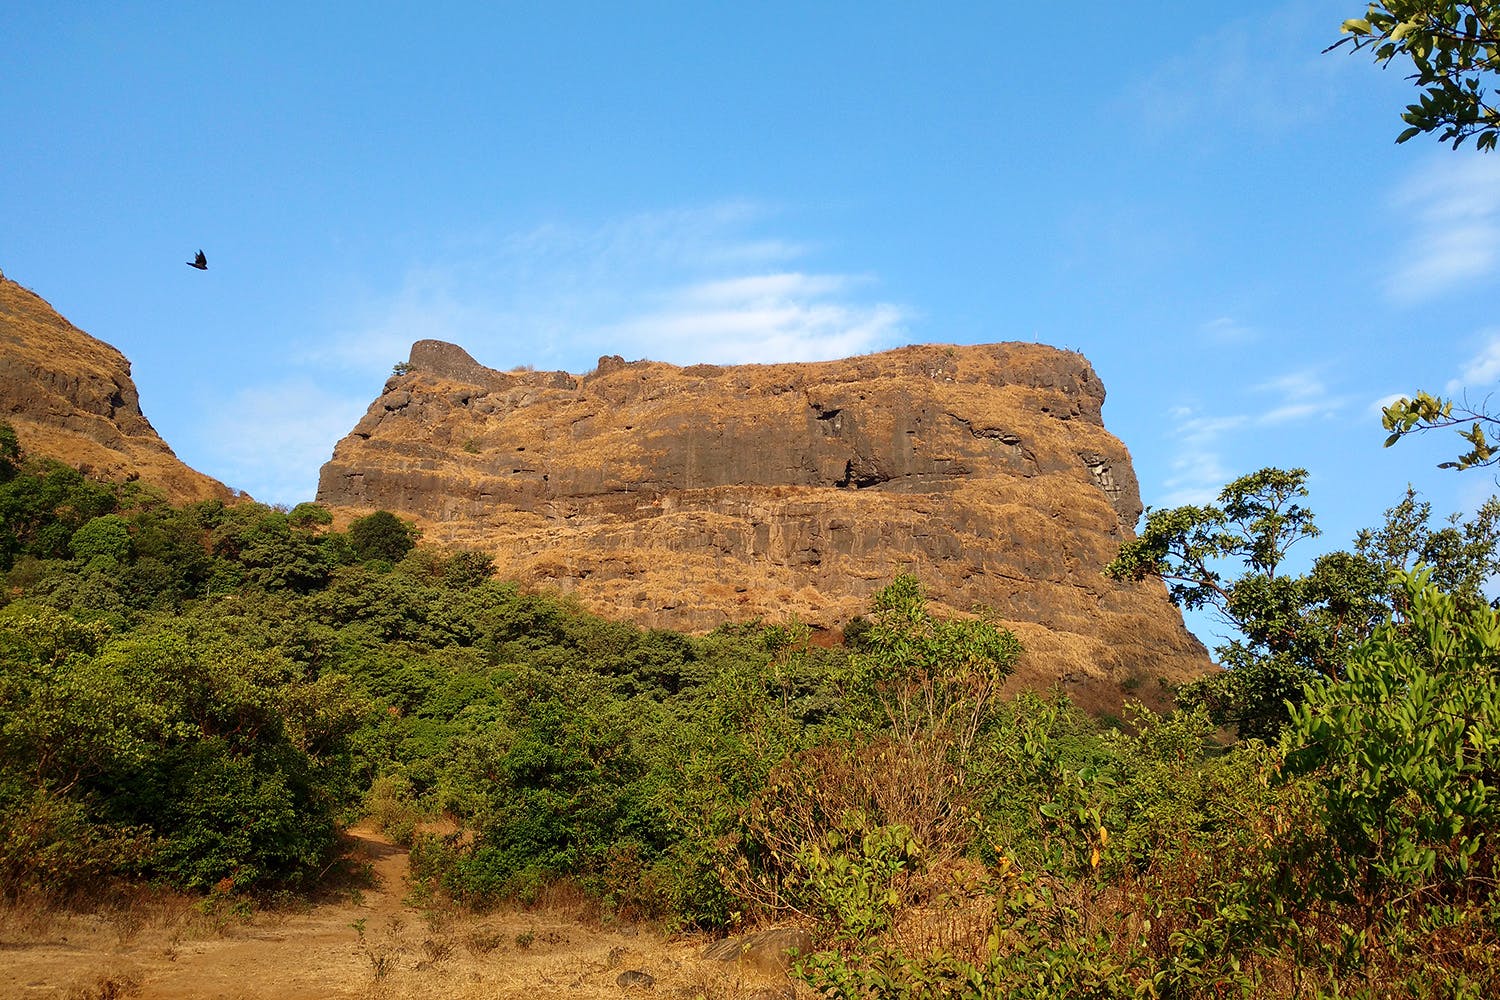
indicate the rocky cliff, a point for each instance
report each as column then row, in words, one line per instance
column 688, row 497
column 70, row 397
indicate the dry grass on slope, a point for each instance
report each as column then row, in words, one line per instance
column 356, row 942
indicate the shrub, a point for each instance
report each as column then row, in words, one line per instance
column 1404, row 752
column 49, row 843
column 382, row 536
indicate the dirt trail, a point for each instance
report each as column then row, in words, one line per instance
column 367, row 943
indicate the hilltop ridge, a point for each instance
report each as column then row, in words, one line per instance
column 688, row 497
column 70, row 396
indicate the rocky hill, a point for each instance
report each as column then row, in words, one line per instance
column 690, row 497
column 70, row 397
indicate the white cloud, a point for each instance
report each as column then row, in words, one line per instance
column 1199, row 469
column 1300, row 395
column 270, row 440
column 1452, row 207
column 1482, row 370
column 762, row 318
column 686, row 285
column 1294, row 385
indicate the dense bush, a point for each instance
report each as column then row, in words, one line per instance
column 226, row 756
column 202, row 695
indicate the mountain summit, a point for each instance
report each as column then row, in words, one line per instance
column 690, row 497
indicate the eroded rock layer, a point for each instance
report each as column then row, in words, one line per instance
column 70, row 397
column 688, row 497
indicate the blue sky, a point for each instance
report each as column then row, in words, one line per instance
column 1191, row 194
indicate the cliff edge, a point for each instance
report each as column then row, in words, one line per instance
column 70, row 396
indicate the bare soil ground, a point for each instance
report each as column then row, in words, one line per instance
column 366, row 942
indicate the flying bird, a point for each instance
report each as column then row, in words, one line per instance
column 200, row 262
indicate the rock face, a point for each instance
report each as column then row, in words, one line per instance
column 688, row 497
column 70, row 397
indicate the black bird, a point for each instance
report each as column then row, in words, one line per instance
column 200, row 262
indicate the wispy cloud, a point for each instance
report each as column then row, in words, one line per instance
column 684, row 285
column 1199, row 469
column 1480, row 372
column 762, row 318
column 375, row 334
column 1227, row 330
column 270, row 440
column 1296, row 396
column 1255, row 74
column 1452, row 207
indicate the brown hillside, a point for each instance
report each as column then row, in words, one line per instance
column 688, row 497
column 70, row 397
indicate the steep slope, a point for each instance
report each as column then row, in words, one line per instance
column 70, row 397
column 688, row 497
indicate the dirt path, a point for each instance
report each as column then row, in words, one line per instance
column 368, row 943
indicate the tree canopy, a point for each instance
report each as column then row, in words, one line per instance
column 1454, row 52
column 1295, row 628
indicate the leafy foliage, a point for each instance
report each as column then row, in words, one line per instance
column 927, row 675
column 1454, row 50
column 1408, row 744
column 10, row 452
column 1295, row 628
column 382, row 535
column 1425, row 412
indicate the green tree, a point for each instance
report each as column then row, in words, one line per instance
column 1191, row 549
column 107, row 536
column 382, row 536
column 1454, row 50
column 1292, row 627
column 930, row 677
column 1460, row 557
column 43, row 504
column 310, row 515
column 1405, row 753
column 10, row 452
column 270, row 550
column 1295, row 628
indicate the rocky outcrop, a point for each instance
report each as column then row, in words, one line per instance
column 70, row 397
column 689, row 497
